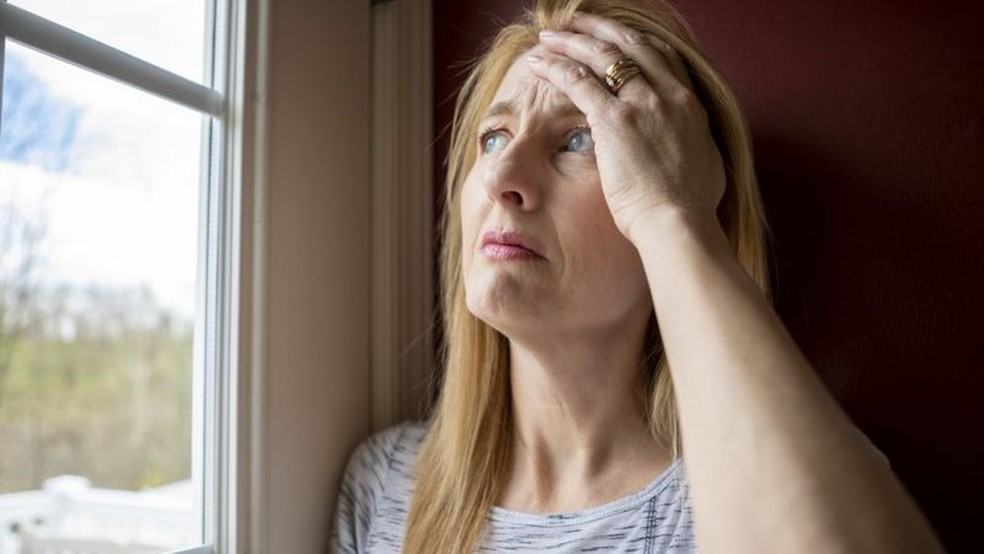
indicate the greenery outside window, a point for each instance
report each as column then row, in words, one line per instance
column 117, row 255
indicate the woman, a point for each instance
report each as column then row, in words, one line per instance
column 604, row 280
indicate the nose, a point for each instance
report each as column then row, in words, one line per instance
column 511, row 178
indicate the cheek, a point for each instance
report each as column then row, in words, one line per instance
column 600, row 256
column 471, row 209
column 590, row 223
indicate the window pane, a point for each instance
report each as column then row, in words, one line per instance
column 99, row 195
column 167, row 33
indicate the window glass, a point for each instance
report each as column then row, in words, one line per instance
column 99, row 206
column 167, row 33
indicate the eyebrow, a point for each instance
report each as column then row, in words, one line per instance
column 500, row 108
column 506, row 107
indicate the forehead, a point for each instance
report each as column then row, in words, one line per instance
column 523, row 91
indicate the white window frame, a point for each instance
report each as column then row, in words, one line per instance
column 216, row 405
column 329, row 105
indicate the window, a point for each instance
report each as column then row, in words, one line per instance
column 281, row 336
column 116, row 218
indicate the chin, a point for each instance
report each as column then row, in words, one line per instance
column 503, row 308
column 490, row 308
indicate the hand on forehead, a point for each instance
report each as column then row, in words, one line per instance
column 522, row 90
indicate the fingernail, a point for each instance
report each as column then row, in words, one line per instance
column 548, row 33
column 534, row 59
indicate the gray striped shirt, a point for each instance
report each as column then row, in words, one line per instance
column 376, row 489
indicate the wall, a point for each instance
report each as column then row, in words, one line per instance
column 316, row 296
column 867, row 119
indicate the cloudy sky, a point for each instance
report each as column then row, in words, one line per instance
column 112, row 173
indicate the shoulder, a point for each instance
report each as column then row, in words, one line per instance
column 381, row 464
column 376, row 454
column 372, row 464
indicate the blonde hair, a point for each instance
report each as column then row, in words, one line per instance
column 461, row 462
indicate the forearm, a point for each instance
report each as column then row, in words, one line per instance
column 773, row 463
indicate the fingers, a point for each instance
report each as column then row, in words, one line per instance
column 639, row 46
column 598, row 42
column 597, row 54
column 575, row 62
column 574, row 79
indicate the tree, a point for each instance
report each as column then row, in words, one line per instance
column 20, row 237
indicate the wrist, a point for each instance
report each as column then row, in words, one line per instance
column 670, row 222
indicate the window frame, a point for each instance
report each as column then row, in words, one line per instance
column 83, row 51
column 353, row 373
column 242, row 72
column 220, row 458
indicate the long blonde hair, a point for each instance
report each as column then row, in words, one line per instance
column 461, row 462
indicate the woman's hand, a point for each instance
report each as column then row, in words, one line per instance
column 653, row 146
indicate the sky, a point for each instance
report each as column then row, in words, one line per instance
column 110, row 172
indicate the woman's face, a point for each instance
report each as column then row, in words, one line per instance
column 540, row 249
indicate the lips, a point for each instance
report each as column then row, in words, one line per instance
column 509, row 245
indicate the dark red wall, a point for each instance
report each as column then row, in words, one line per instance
column 868, row 119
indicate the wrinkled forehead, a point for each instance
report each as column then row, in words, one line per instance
column 525, row 92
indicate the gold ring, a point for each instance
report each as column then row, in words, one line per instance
column 620, row 73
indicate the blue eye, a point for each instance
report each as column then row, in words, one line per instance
column 580, row 141
column 492, row 141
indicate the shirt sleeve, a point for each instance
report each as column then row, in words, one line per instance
column 362, row 487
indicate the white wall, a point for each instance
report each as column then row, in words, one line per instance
column 316, row 298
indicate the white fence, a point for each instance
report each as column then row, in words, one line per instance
column 68, row 516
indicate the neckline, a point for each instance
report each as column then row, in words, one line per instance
column 669, row 475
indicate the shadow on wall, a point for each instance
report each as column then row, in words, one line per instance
column 873, row 288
